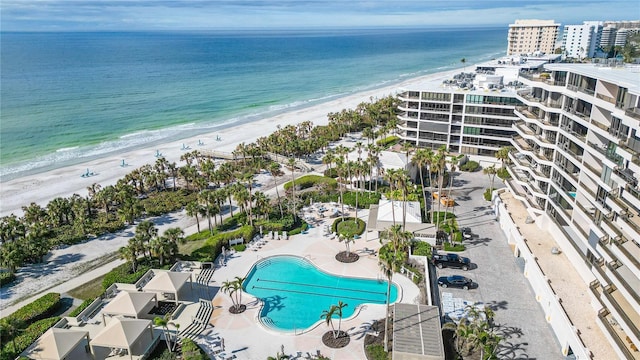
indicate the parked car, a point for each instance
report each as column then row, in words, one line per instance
column 450, row 260
column 455, row 281
column 466, row 233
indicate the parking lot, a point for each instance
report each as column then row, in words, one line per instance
column 501, row 283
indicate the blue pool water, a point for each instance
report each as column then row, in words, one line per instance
column 295, row 292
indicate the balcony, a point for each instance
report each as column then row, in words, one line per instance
column 580, row 89
column 617, row 334
column 606, row 98
column 522, row 144
column 625, row 310
column 633, row 112
column 627, row 175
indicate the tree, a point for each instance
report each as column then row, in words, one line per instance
column 276, row 171
column 464, row 62
column 193, row 209
column 390, row 262
column 328, row 316
column 398, row 238
column 234, row 289
column 491, row 172
column 129, row 253
column 165, row 322
column 422, row 158
column 347, row 239
column 503, row 155
column 338, row 311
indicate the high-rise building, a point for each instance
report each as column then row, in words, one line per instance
column 581, row 41
column 608, row 37
column 532, row 36
column 576, row 167
column 621, row 37
column 471, row 113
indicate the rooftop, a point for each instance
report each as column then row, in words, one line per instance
column 627, row 76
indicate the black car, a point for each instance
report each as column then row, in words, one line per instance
column 450, row 260
column 455, row 281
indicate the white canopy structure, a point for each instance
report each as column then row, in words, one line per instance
column 56, row 344
column 123, row 333
column 130, row 304
column 168, row 282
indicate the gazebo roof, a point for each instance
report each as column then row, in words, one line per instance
column 167, row 281
column 55, row 344
column 387, row 208
column 128, row 303
column 121, row 333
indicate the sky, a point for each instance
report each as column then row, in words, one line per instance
column 131, row 15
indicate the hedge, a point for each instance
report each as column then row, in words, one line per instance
column 470, row 166
column 26, row 338
column 365, row 199
column 360, row 229
column 122, row 274
column 38, row 309
column 307, row 181
column 388, row 141
column 7, row 278
column 421, row 248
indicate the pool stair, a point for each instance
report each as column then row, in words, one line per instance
column 200, row 321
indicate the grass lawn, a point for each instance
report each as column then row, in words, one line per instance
column 190, row 246
column 90, row 290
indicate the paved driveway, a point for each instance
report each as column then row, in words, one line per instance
column 501, row 282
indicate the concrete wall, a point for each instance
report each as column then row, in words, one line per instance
column 548, row 300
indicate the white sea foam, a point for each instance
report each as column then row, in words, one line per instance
column 65, row 149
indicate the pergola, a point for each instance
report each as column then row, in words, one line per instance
column 56, row 344
column 123, row 333
column 381, row 217
column 130, row 304
column 168, row 282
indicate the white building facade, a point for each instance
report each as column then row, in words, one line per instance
column 581, row 41
column 576, row 167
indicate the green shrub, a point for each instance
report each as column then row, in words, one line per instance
column 348, row 226
column 81, row 307
column 7, row 278
column 388, row 141
column 452, row 247
column 239, row 247
column 376, row 352
column 503, row 174
column 26, row 337
column 191, row 351
column 38, row 309
column 122, row 274
column 470, row 166
column 307, row 181
column 487, row 194
column 421, row 248
column 304, row 226
column 331, row 173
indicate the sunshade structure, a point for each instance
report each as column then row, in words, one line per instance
column 168, row 282
column 57, row 344
column 130, row 334
column 130, row 304
column 416, row 333
column 381, row 217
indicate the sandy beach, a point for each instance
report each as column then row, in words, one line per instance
column 67, row 268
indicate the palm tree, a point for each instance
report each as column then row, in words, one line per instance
column 165, row 322
column 275, row 170
column 491, row 172
column 397, row 238
column 422, row 158
column 389, row 263
column 347, row 239
column 328, row 316
column 338, row 311
column 503, row 155
column 130, row 254
column 454, row 160
column 234, row 289
column 464, row 62
column 193, row 209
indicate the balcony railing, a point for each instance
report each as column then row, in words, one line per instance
column 633, row 112
column 605, row 317
column 619, row 308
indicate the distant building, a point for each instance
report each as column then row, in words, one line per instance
column 531, row 36
column 621, row 37
column 608, row 37
column 581, row 41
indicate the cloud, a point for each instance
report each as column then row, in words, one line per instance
column 207, row 14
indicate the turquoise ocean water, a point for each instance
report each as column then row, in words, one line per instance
column 70, row 97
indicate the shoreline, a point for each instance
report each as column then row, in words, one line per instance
column 44, row 186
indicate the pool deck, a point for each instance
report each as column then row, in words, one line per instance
column 246, row 338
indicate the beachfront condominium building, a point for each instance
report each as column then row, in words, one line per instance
column 532, row 36
column 608, row 37
column 471, row 113
column 576, row 167
column 581, row 41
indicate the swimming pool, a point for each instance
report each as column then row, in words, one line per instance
column 294, row 292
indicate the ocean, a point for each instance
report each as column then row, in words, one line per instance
column 70, row 97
